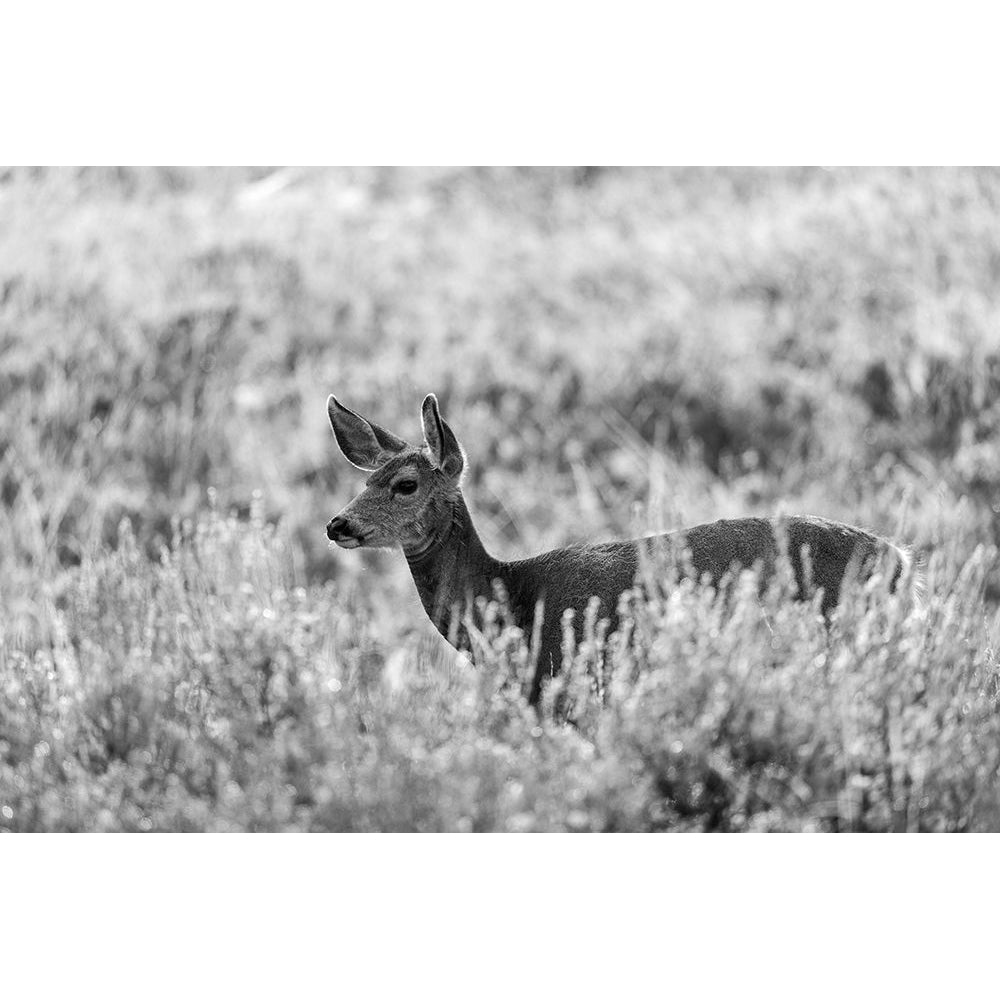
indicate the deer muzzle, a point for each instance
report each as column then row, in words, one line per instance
column 339, row 530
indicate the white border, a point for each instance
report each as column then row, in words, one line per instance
column 452, row 82
column 453, row 915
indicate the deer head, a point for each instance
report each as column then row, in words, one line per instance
column 410, row 496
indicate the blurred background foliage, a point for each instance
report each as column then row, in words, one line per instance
column 619, row 349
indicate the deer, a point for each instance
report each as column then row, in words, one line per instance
column 413, row 500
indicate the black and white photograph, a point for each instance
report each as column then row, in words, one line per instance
column 500, row 499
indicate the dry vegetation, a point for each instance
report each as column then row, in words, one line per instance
column 619, row 351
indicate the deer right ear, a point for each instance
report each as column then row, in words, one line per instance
column 364, row 444
column 446, row 452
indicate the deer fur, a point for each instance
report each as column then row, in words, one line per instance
column 413, row 499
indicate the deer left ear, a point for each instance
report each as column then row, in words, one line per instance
column 364, row 444
column 446, row 452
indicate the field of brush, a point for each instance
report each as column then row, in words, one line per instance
column 620, row 351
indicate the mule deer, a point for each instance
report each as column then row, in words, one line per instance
column 413, row 499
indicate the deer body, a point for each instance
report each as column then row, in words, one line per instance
column 414, row 499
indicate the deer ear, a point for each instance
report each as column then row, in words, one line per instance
column 446, row 452
column 364, row 444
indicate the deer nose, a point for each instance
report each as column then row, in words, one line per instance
column 336, row 528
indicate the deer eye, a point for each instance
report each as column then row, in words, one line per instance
column 405, row 487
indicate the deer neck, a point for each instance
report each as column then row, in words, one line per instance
column 452, row 569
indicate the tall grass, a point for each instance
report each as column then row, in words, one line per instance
column 619, row 351
column 207, row 690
